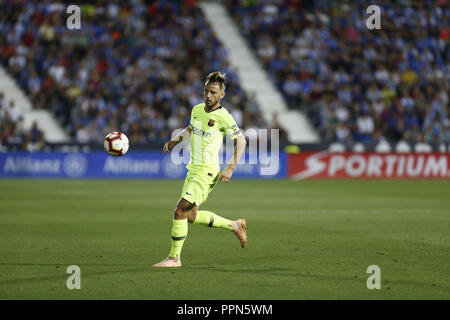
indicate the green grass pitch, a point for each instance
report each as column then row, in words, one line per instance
column 307, row 240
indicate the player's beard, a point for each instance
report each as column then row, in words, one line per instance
column 211, row 103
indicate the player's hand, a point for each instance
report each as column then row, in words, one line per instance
column 170, row 144
column 167, row 146
column 226, row 174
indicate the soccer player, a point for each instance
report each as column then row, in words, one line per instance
column 209, row 123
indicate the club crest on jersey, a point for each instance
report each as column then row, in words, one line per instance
column 211, row 122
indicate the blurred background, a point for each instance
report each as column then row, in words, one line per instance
column 311, row 69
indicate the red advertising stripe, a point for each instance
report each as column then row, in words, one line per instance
column 309, row 165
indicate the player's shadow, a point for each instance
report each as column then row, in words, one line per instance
column 62, row 264
column 62, row 274
column 264, row 270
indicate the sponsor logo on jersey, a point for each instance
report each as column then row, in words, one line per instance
column 200, row 132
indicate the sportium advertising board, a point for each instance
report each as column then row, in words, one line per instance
column 323, row 164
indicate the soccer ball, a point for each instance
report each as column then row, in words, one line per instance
column 116, row 144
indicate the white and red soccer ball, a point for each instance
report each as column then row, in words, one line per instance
column 116, row 144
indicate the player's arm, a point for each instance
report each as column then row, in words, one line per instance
column 239, row 149
column 176, row 140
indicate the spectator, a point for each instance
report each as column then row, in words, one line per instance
column 14, row 113
column 342, row 133
column 390, row 76
column 366, row 127
column 34, row 139
column 134, row 66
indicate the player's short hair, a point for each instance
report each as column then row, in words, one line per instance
column 216, row 77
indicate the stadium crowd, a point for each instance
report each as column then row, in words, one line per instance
column 135, row 66
column 12, row 130
column 355, row 83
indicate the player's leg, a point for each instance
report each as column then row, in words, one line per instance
column 183, row 210
column 212, row 220
column 179, row 232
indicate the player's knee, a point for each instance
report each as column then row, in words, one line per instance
column 192, row 215
column 184, row 210
column 179, row 214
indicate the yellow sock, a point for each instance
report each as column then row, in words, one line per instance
column 212, row 220
column 179, row 233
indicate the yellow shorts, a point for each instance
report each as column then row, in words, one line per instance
column 197, row 186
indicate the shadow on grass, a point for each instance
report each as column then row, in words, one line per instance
column 267, row 271
column 63, row 275
column 289, row 273
column 67, row 264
